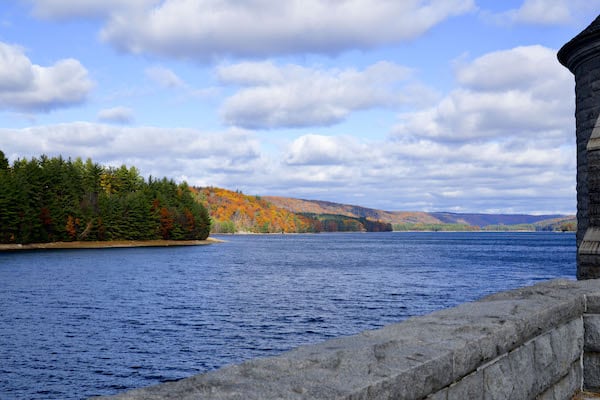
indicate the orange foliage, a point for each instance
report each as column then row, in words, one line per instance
column 251, row 213
column 166, row 223
column 71, row 226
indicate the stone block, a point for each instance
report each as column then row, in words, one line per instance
column 470, row 387
column 591, row 324
column 511, row 377
column 498, row 382
column 546, row 368
column 591, row 371
column 567, row 343
column 592, row 303
column 565, row 387
column 440, row 395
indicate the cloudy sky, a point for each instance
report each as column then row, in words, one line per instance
column 453, row 105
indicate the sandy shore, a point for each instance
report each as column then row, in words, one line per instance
column 107, row 244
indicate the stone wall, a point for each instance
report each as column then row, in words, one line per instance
column 541, row 342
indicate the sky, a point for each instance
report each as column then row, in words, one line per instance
column 412, row 105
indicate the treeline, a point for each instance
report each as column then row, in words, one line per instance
column 435, row 227
column 52, row 199
column 557, row 226
column 343, row 223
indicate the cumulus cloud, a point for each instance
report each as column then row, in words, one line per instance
column 205, row 157
column 294, row 96
column 506, row 132
column 518, row 92
column 423, row 174
column 66, row 9
column 208, row 29
column 164, row 77
column 324, row 150
column 120, row 115
column 545, row 12
column 29, row 87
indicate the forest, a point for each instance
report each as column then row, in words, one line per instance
column 343, row 223
column 53, row 200
column 233, row 212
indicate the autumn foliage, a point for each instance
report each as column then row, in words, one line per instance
column 236, row 212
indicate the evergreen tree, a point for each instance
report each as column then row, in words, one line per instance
column 3, row 162
column 52, row 199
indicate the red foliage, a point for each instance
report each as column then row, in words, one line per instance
column 166, row 223
column 45, row 217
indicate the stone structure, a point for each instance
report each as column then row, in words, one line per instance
column 582, row 56
column 539, row 342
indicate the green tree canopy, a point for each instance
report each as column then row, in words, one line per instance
column 53, row 199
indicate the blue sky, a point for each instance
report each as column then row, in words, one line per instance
column 439, row 105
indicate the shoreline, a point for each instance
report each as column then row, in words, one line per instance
column 107, row 244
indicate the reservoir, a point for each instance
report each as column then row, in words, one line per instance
column 79, row 323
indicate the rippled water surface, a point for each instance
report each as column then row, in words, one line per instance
column 79, row 323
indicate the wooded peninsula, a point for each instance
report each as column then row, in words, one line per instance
column 56, row 200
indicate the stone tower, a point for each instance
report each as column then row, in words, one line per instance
column 581, row 56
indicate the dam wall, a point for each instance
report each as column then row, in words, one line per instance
column 541, row 341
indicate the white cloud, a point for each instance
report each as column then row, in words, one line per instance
column 549, row 12
column 29, row 87
column 164, row 77
column 205, row 157
column 120, row 115
column 324, row 150
column 522, row 92
column 208, row 29
column 66, row 9
column 524, row 66
column 407, row 173
column 425, row 175
column 543, row 12
column 295, row 96
column 502, row 138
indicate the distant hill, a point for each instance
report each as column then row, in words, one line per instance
column 430, row 221
column 482, row 220
column 327, row 207
column 233, row 212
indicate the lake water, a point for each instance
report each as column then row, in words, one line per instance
column 78, row 323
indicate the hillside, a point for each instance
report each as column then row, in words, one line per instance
column 233, row 212
column 406, row 220
column 482, row 220
column 326, row 207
